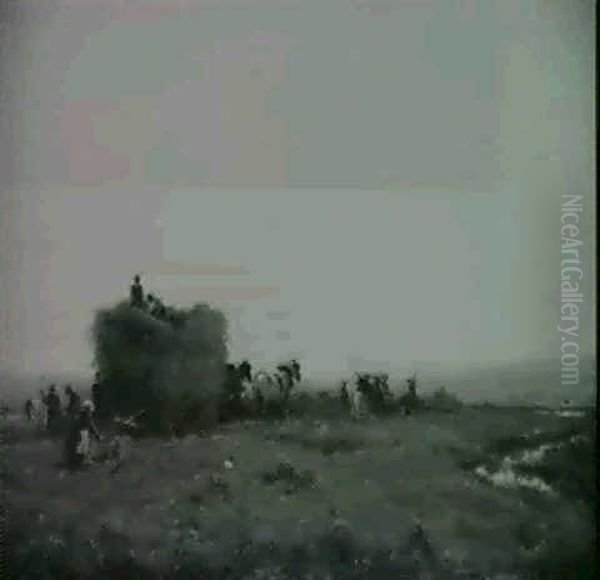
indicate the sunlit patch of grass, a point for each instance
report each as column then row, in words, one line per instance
column 570, row 468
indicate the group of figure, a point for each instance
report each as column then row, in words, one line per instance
column 245, row 394
column 47, row 411
column 260, row 391
column 367, row 392
column 75, row 421
column 150, row 303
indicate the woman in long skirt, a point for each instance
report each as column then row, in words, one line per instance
column 79, row 435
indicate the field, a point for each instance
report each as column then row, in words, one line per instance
column 393, row 497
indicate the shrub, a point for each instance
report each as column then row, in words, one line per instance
column 293, row 479
column 442, row 400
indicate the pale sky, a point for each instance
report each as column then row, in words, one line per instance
column 348, row 180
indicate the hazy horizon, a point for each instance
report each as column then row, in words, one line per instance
column 368, row 182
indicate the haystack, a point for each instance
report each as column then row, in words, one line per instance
column 167, row 367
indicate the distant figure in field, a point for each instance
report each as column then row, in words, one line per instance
column 412, row 386
column 54, row 411
column 40, row 410
column 73, row 401
column 286, row 379
column 353, row 392
column 79, row 434
column 39, row 415
column 245, row 371
column 344, row 394
column 385, row 387
column 100, row 398
column 295, row 367
column 410, row 401
column 231, row 404
column 28, row 409
column 137, row 294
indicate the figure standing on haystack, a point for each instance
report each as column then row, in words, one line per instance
column 136, row 294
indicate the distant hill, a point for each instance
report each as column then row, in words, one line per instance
column 522, row 382
column 517, row 382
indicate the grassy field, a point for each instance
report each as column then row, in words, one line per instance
column 309, row 498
